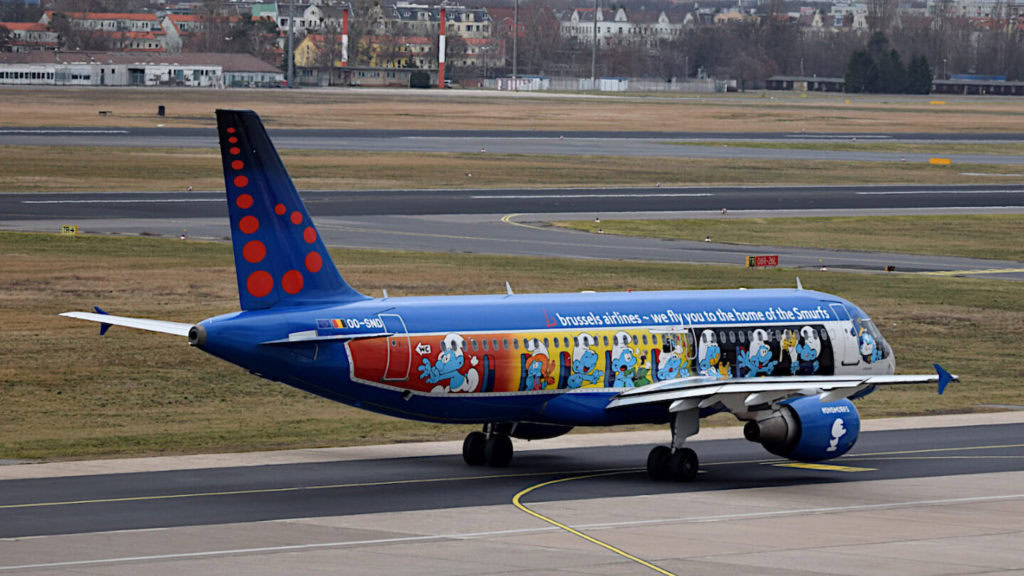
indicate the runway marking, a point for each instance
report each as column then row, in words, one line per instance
column 473, row 535
column 918, row 192
column 306, row 488
column 516, row 500
column 822, row 467
column 113, row 201
column 507, row 219
column 562, row 196
column 964, row 272
column 60, row 131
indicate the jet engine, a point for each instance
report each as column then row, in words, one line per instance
column 807, row 429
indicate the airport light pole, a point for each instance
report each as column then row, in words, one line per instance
column 291, row 41
column 515, row 44
column 593, row 53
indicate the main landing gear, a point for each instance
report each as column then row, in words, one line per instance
column 676, row 463
column 488, row 447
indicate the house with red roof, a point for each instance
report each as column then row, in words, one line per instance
column 25, row 36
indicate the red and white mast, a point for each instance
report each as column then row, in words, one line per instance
column 344, row 37
column 440, row 54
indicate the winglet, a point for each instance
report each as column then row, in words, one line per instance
column 944, row 378
column 103, row 326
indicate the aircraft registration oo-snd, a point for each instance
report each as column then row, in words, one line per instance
column 788, row 362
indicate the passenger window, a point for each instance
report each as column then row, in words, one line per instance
column 645, row 339
column 732, row 336
column 556, row 342
column 484, row 343
column 565, row 341
column 504, row 344
column 636, row 340
column 474, row 345
column 575, row 340
column 494, row 344
column 742, row 336
column 547, row 344
column 606, row 340
column 515, row 343
column 824, row 334
column 721, row 337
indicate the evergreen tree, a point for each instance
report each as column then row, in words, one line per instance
column 892, row 76
column 861, row 73
column 919, row 75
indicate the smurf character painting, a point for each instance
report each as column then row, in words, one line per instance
column 628, row 368
column 709, row 357
column 869, row 349
column 758, row 360
column 671, row 364
column 584, row 363
column 538, row 366
column 808, row 348
column 448, row 371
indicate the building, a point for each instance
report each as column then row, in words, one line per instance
column 308, row 51
column 127, row 31
column 400, row 51
column 410, row 19
column 614, row 27
column 194, row 70
column 25, row 36
column 806, row 83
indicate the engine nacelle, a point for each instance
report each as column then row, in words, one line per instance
column 807, row 429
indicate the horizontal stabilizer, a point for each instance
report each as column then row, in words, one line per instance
column 163, row 326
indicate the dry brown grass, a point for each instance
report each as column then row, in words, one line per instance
column 59, row 169
column 967, row 235
column 432, row 111
column 67, row 393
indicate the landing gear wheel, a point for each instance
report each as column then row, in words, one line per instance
column 657, row 463
column 473, row 448
column 498, row 450
column 683, row 465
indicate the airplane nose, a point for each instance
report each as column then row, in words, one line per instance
column 197, row 336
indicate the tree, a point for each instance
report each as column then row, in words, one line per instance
column 861, row 73
column 919, row 75
column 5, row 39
column 892, row 76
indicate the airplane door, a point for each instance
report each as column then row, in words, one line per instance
column 399, row 349
column 844, row 343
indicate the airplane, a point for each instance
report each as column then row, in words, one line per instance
column 786, row 362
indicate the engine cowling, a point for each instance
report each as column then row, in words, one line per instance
column 807, row 429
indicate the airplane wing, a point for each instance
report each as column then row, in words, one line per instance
column 747, row 394
column 106, row 321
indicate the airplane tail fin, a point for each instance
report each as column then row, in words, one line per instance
column 279, row 255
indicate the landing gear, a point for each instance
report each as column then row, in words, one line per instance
column 498, row 450
column 473, row 449
column 677, row 463
column 489, row 447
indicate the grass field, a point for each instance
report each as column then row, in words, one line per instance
column 972, row 236
column 67, row 393
column 61, row 169
column 434, row 110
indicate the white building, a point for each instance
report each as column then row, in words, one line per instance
column 192, row 70
column 616, row 27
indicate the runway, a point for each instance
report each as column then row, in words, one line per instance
column 898, row 488
column 574, row 143
column 515, row 221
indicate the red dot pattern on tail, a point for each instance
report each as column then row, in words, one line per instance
column 280, row 209
column 241, row 181
column 237, row 164
column 309, row 235
column 249, row 224
column 291, row 282
column 259, row 283
column 254, row 251
column 296, row 217
column 314, row 262
column 244, row 201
